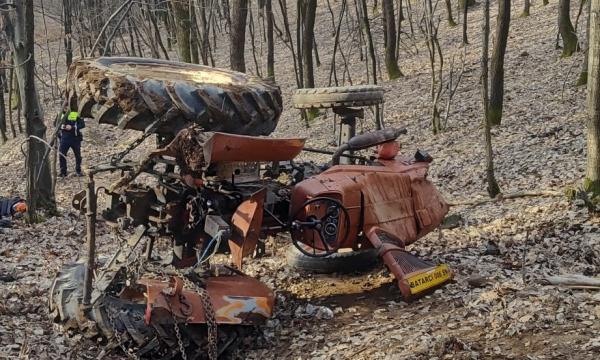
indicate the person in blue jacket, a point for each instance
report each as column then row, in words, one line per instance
column 70, row 138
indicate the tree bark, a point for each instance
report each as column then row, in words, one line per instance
column 449, row 17
column 194, row 41
column 592, row 174
column 237, row 37
column 20, row 33
column 270, row 41
column 183, row 28
column 497, row 70
column 308, row 35
column 583, row 75
column 465, row 11
column 566, row 29
column 465, row 3
column 367, row 29
column 390, row 34
column 2, row 106
column 67, row 14
column 493, row 188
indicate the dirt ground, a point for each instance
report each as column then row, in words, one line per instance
column 499, row 306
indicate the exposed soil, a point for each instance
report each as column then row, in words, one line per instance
column 498, row 307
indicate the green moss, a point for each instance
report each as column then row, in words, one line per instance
column 452, row 23
column 525, row 13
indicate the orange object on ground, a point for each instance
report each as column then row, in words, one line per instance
column 21, row 207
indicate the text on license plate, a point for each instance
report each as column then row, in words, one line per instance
column 423, row 281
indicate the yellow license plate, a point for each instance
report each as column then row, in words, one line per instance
column 428, row 279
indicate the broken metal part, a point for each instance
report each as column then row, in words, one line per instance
column 246, row 222
column 222, row 147
column 236, row 299
column 121, row 319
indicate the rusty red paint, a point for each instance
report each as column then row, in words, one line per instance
column 236, row 299
column 228, row 147
column 246, row 221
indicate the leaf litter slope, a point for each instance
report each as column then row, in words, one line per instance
column 498, row 307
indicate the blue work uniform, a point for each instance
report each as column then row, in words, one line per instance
column 71, row 139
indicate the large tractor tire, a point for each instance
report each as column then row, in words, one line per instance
column 330, row 97
column 122, row 323
column 339, row 262
column 133, row 93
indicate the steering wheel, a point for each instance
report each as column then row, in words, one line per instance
column 325, row 227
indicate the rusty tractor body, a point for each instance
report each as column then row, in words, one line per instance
column 209, row 192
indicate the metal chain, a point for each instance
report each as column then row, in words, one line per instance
column 178, row 335
column 209, row 311
column 209, row 314
column 115, row 158
column 118, row 337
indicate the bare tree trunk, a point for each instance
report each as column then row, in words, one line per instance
column 288, row 36
column 194, row 41
column 308, row 20
column 399, row 28
column 95, row 16
column 526, row 7
column 270, row 41
column 493, row 188
column 11, row 73
column 131, row 36
column 565, row 27
column 237, row 40
column 2, row 105
column 183, row 28
column 592, row 174
column 391, row 60
column 449, row 17
column 157, row 30
column 583, row 75
column 367, row 29
column 465, row 3
column 20, row 33
column 465, row 11
column 67, row 23
column 497, row 70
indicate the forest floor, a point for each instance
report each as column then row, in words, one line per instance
column 513, row 314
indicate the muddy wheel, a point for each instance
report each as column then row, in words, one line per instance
column 340, row 262
column 317, row 98
column 109, row 313
column 132, row 93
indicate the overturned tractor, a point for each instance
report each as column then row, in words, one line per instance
column 217, row 187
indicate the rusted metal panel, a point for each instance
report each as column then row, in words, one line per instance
column 389, row 204
column 246, row 221
column 397, row 197
column 227, row 147
column 236, row 299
